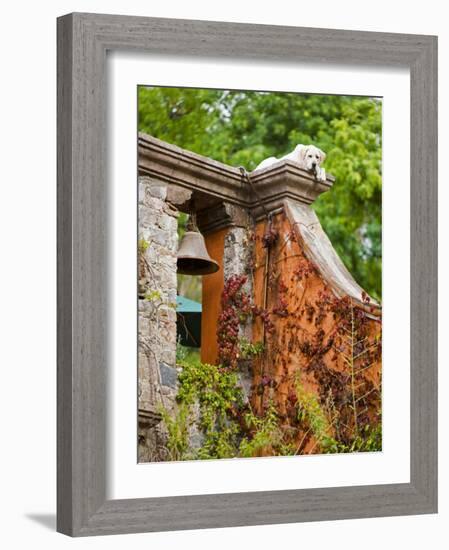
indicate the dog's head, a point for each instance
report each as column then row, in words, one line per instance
column 311, row 157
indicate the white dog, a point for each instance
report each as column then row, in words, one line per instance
column 308, row 157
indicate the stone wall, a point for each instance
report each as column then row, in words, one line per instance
column 157, row 375
column 238, row 260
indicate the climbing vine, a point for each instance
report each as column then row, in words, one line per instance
column 211, row 402
column 315, row 386
column 236, row 309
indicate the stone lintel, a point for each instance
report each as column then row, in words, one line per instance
column 220, row 216
column 219, row 182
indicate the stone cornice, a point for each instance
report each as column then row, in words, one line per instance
column 171, row 164
column 283, row 180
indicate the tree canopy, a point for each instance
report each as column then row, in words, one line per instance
column 241, row 128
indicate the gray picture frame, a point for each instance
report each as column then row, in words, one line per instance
column 83, row 41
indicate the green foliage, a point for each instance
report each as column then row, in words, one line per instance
column 243, row 128
column 218, row 396
column 177, row 424
column 210, row 398
column 229, row 427
column 177, row 115
column 369, row 440
column 249, row 350
column 143, row 245
column 311, row 413
column 185, row 354
column 153, row 295
column 265, row 433
column 220, row 442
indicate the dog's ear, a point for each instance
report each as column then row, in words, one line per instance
column 302, row 152
column 322, row 155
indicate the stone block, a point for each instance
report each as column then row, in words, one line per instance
column 169, row 376
column 168, row 356
column 158, row 191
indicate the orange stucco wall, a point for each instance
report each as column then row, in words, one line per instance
column 301, row 323
column 212, row 289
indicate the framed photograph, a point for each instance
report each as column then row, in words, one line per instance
column 247, row 274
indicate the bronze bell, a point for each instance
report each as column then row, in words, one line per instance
column 193, row 258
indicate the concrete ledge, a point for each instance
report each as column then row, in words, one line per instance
column 176, row 166
column 285, row 180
